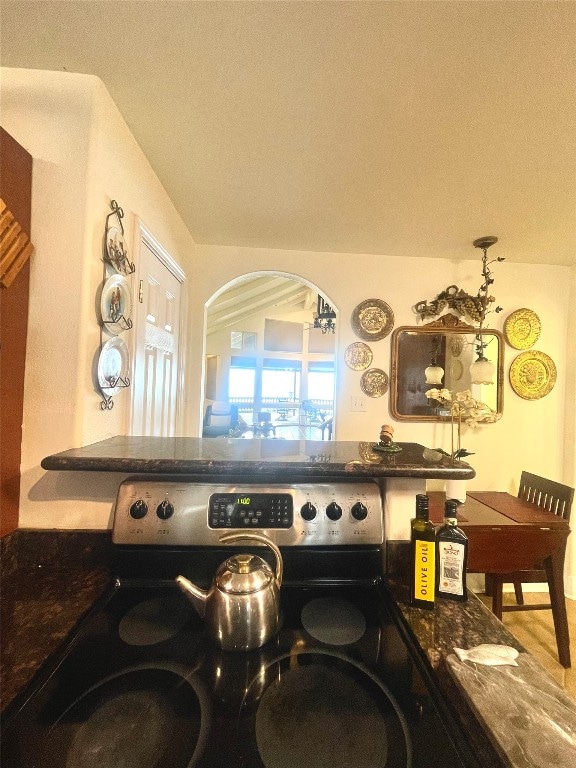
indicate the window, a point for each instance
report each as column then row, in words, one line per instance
column 321, row 381
column 242, row 340
column 281, row 379
column 242, row 378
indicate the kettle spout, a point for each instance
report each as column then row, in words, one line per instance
column 196, row 595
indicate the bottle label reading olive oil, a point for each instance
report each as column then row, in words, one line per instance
column 451, row 575
column 424, row 575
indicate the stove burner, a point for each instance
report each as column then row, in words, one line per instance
column 326, row 711
column 154, row 621
column 143, row 718
column 333, row 621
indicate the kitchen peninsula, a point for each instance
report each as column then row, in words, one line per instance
column 311, row 459
column 401, row 473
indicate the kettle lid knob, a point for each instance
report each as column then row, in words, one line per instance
column 243, row 574
column 244, row 563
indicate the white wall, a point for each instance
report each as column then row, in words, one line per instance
column 84, row 156
column 500, row 452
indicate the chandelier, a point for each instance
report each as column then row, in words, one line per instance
column 324, row 316
column 482, row 369
column 476, row 307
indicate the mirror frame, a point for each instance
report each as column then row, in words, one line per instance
column 448, row 324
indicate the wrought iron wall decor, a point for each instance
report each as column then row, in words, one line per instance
column 324, row 317
column 115, row 251
column 115, row 310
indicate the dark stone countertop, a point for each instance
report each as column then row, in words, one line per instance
column 49, row 580
column 516, row 716
column 288, row 459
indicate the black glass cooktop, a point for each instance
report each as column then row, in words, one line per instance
column 141, row 685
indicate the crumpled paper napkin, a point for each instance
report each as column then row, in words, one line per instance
column 489, row 654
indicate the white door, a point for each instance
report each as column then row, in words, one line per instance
column 156, row 345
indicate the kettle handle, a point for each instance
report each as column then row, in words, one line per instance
column 228, row 538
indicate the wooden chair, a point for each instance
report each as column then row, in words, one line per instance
column 556, row 498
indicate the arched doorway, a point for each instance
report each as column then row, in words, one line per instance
column 268, row 371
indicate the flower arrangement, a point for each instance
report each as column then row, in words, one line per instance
column 463, row 409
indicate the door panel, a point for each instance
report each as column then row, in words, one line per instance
column 156, row 354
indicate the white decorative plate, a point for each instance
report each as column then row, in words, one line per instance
column 113, row 366
column 116, row 305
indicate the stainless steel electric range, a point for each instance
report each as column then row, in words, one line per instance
column 141, row 684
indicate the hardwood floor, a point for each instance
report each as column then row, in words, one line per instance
column 535, row 630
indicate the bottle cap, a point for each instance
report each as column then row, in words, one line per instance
column 451, row 507
column 422, row 502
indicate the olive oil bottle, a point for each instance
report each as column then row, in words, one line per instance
column 422, row 556
column 451, row 555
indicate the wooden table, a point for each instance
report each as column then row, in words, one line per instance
column 508, row 534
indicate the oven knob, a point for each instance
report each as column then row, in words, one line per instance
column 334, row 511
column 359, row 511
column 139, row 509
column 164, row 510
column 308, row 511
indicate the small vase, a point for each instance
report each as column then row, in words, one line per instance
column 456, row 489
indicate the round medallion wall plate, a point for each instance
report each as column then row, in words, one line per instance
column 374, row 382
column 532, row 375
column 372, row 320
column 456, row 369
column 522, row 328
column 116, row 249
column 358, row 356
column 116, row 305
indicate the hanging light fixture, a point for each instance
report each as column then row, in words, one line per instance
column 434, row 373
column 324, row 316
column 482, row 370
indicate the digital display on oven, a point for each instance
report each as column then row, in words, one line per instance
column 250, row 510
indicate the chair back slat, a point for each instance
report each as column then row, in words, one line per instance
column 548, row 494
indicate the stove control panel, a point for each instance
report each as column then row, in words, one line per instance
column 180, row 513
column 250, row 510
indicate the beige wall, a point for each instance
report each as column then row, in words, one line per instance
column 84, row 156
column 532, row 435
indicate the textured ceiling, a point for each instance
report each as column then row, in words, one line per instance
column 397, row 128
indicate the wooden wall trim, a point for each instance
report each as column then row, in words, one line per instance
column 16, row 191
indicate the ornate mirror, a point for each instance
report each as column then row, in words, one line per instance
column 439, row 354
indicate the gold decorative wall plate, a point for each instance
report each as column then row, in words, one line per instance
column 374, row 382
column 522, row 328
column 372, row 320
column 532, row 375
column 358, row 356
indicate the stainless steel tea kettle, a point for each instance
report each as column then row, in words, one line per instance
column 242, row 607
